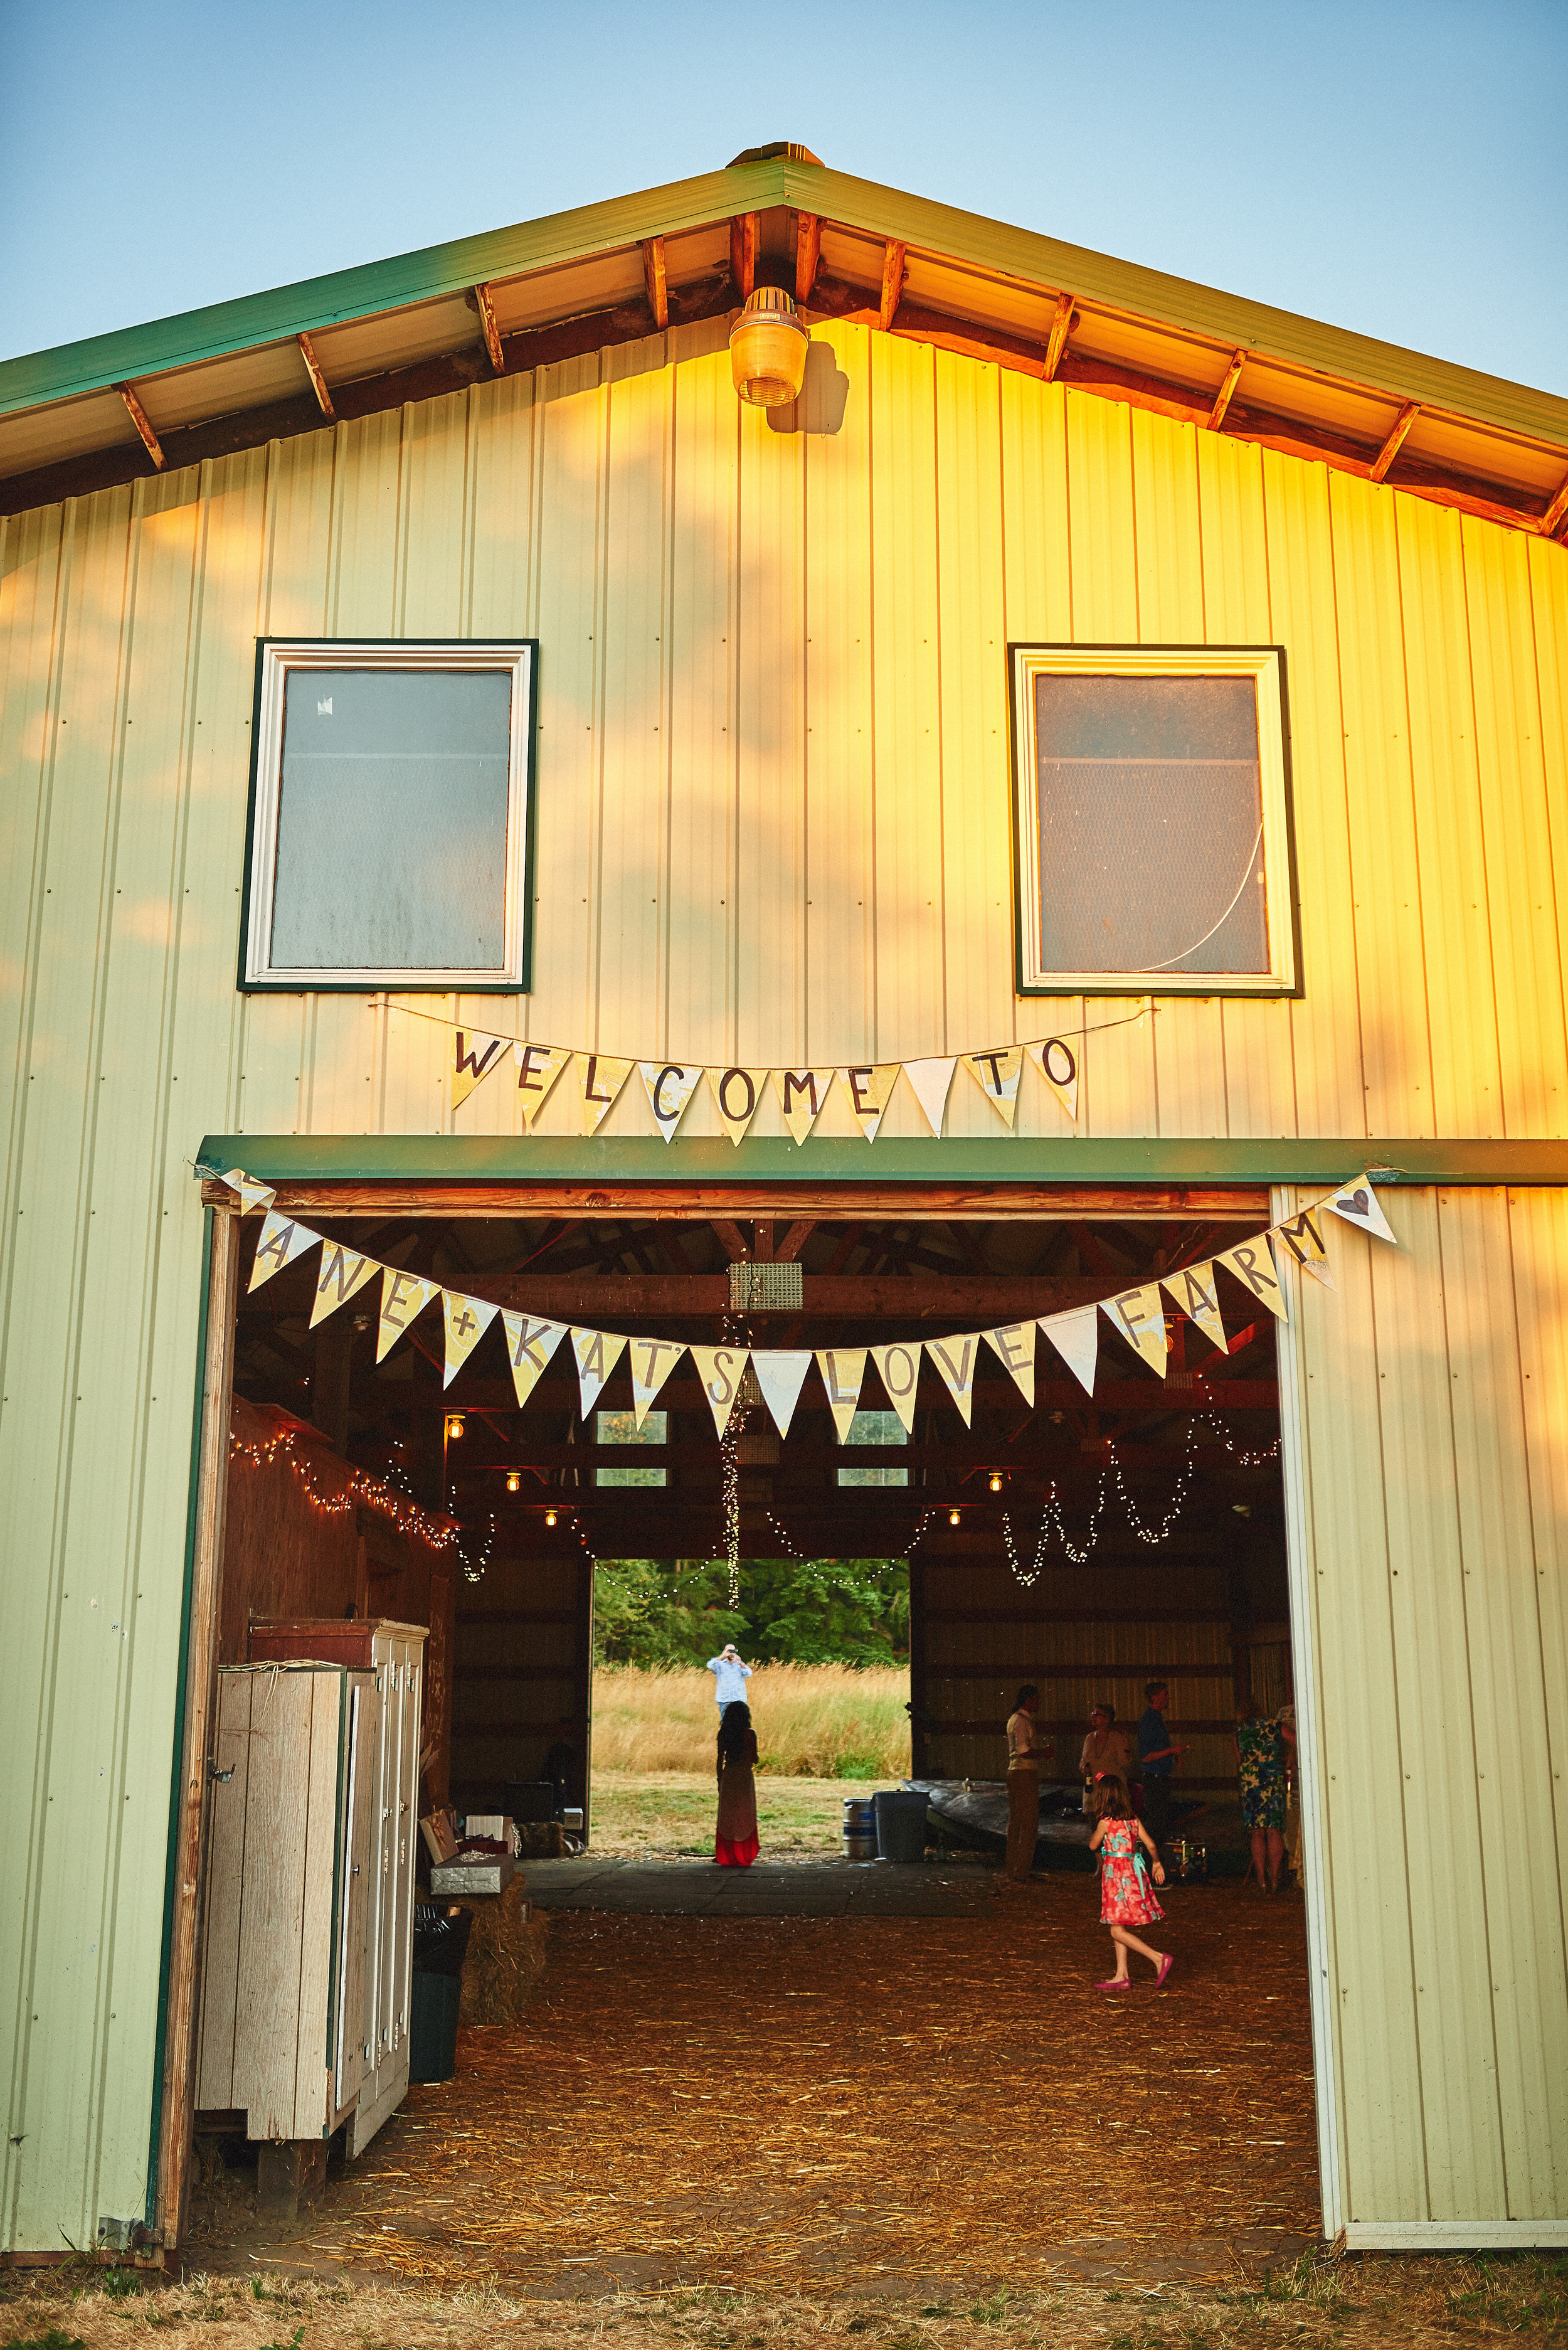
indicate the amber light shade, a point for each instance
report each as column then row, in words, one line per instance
column 767, row 349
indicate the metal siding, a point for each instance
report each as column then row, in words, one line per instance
column 771, row 699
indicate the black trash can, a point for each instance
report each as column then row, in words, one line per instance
column 900, row 1823
column 435, row 1992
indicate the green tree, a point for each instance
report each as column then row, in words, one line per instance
column 796, row 1611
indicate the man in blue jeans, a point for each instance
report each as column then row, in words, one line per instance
column 1157, row 1758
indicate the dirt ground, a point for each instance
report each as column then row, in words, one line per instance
column 752, row 2132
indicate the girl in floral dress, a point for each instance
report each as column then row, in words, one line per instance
column 1126, row 1896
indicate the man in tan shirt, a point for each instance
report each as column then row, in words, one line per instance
column 1026, row 1750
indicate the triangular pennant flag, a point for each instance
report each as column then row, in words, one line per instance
column 781, row 1375
column 801, row 1093
column 1301, row 1239
column 343, row 1275
column 652, row 1360
column 898, row 1369
column 1357, row 1204
column 280, row 1242
column 1140, row 1316
column 529, row 1347
column 1192, row 1292
column 737, row 1093
column 467, row 1319
column 669, row 1089
column 1077, row 1338
column 1015, row 1342
column 1058, row 1065
column 997, row 1074
column 538, row 1066
column 603, row 1078
column 251, row 1193
column 404, row 1297
column 843, row 1369
column 870, row 1090
column 930, row 1082
column 597, row 1353
column 721, row 1370
column 953, row 1359
column 1254, row 1268
column 474, row 1058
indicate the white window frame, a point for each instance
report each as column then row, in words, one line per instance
column 1264, row 664
column 276, row 657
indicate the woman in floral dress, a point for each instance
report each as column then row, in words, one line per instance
column 1261, row 1776
column 1126, row 1896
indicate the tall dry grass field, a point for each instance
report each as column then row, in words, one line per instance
column 813, row 1721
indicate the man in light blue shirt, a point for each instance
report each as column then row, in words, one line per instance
column 730, row 1676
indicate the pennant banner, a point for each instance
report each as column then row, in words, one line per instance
column 538, row 1066
column 1253, row 1264
column 474, row 1058
column 1077, row 1338
column 737, row 1093
column 721, row 1370
column 1014, row 1343
column 1301, row 1239
column 341, row 1276
column 669, row 1089
column 997, row 1076
column 801, row 1093
column 1357, row 1204
column 930, row 1083
column 898, row 1369
column 781, row 1375
column 252, row 1195
column 953, row 1360
column 1058, row 1065
column 467, row 1319
column 1140, row 1317
column 870, row 1091
column 597, row 1353
column 602, row 1081
column 1193, row 1291
column 282, row 1240
column 529, row 1347
column 404, row 1297
column 652, row 1360
column 843, row 1369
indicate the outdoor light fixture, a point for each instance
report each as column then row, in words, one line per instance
column 953, row 1518
column 454, row 1425
column 513, row 1482
column 767, row 349
column 996, row 1481
column 550, row 1517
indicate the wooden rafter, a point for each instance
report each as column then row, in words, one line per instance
column 144, row 423
column 807, row 254
column 1222, row 397
column 894, row 260
column 1551, row 520
column 1395, row 440
column 318, row 380
column 654, row 280
column 1061, row 327
column 491, row 332
column 743, row 253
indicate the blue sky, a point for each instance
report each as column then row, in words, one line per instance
column 1401, row 170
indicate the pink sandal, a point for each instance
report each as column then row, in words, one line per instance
column 1165, row 1966
column 1115, row 1983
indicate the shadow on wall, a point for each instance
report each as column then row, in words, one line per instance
column 823, row 395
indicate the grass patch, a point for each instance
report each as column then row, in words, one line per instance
column 813, row 1721
column 669, row 1815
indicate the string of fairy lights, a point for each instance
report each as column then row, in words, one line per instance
column 359, row 1491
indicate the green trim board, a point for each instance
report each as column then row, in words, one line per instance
column 439, row 272
column 1069, row 1160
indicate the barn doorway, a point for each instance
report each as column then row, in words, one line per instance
column 1089, row 1543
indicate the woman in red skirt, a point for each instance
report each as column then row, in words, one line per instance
column 735, row 1844
column 1126, row 1896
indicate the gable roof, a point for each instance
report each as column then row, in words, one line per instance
column 235, row 374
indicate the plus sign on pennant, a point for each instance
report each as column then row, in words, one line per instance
column 467, row 1319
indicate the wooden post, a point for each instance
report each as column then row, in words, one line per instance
column 582, row 1683
column 189, row 1856
column 917, row 1669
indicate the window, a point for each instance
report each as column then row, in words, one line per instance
column 622, row 1428
column 1152, row 821
column 390, row 820
column 875, row 1428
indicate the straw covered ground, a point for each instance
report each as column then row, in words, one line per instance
column 813, row 1721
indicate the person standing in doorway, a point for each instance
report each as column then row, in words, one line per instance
column 1106, row 1748
column 730, row 1676
column 1157, row 1758
column 1026, row 1750
column 735, row 1833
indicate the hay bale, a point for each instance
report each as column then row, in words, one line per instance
column 505, row 1957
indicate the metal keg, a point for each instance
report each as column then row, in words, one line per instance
column 859, row 1828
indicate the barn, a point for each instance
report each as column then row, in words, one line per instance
column 933, row 1015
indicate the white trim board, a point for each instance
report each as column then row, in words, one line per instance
column 1454, row 2235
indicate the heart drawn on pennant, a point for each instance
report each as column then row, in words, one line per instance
column 1355, row 1202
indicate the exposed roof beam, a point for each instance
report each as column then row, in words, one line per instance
column 1551, row 520
column 1395, row 440
column 653, row 277
column 1222, row 397
column 893, row 272
column 491, row 332
column 318, row 380
column 743, row 253
column 140, row 418
column 807, row 252
column 1061, row 327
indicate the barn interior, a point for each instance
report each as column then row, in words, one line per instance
column 1085, row 1542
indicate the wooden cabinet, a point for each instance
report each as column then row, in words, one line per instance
column 308, row 1941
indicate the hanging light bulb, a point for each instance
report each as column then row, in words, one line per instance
column 953, row 1518
column 996, row 1481
column 550, row 1517
column 454, row 1425
column 513, row 1482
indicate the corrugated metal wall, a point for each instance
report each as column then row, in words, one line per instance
column 772, row 821
column 1426, row 1484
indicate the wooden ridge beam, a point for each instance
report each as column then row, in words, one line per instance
column 318, row 384
column 924, row 1201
